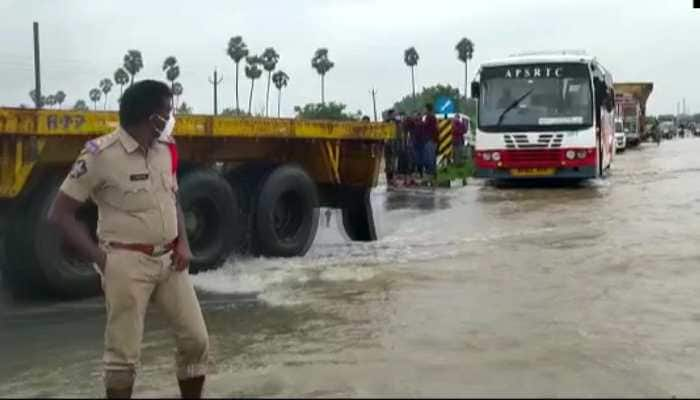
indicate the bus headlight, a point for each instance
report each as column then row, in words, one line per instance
column 496, row 156
column 581, row 154
column 570, row 154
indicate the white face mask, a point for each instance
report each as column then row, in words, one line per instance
column 168, row 128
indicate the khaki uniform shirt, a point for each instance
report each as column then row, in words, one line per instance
column 134, row 190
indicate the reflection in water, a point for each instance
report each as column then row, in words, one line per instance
column 426, row 200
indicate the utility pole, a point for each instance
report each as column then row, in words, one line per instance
column 215, row 82
column 37, row 69
column 374, row 103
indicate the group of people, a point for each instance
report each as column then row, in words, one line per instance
column 413, row 151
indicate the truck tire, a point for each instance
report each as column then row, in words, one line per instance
column 358, row 220
column 39, row 263
column 245, row 181
column 209, row 207
column 286, row 213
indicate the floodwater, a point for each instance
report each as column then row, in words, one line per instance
column 479, row 291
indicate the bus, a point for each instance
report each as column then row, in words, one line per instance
column 544, row 115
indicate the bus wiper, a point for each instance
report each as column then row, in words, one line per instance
column 513, row 105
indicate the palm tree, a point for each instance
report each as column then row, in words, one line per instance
column 177, row 92
column 269, row 58
column 133, row 62
column 121, row 78
column 60, row 98
column 237, row 50
column 80, row 105
column 465, row 52
column 410, row 57
column 50, row 100
column 280, row 79
column 106, row 86
column 95, row 95
column 38, row 103
column 172, row 70
column 253, row 72
column 322, row 64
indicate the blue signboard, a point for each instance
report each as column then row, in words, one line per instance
column 444, row 105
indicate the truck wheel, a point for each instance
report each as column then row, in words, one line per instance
column 245, row 181
column 358, row 220
column 286, row 213
column 39, row 262
column 209, row 207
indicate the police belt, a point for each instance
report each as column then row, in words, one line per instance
column 147, row 249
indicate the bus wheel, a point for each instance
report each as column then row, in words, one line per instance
column 39, row 261
column 286, row 213
column 209, row 207
column 358, row 220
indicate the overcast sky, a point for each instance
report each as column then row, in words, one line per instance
column 84, row 41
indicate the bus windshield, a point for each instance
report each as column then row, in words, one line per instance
column 535, row 97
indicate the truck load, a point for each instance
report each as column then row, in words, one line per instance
column 247, row 186
column 630, row 106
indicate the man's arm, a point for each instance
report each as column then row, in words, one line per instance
column 182, row 254
column 62, row 214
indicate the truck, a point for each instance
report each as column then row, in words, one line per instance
column 630, row 105
column 247, row 186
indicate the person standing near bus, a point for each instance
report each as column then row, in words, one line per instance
column 430, row 138
column 143, row 253
column 459, row 129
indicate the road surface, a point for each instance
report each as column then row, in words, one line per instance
column 479, row 291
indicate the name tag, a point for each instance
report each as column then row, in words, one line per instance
column 138, row 177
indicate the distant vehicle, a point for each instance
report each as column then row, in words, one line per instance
column 546, row 115
column 620, row 138
column 630, row 105
column 696, row 130
column 667, row 129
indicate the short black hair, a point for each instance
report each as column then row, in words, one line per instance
column 141, row 100
column 429, row 107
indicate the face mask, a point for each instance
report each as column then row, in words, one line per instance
column 168, row 128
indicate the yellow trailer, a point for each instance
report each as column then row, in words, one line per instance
column 247, row 186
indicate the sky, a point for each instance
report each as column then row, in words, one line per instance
column 84, row 41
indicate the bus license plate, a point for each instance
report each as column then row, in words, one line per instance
column 533, row 172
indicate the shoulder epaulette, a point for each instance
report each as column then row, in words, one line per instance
column 97, row 145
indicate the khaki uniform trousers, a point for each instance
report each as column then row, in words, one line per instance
column 130, row 281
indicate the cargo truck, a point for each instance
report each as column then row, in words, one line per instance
column 630, row 105
column 247, row 186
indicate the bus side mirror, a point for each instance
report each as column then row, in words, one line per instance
column 476, row 92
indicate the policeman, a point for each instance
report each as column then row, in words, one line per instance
column 143, row 254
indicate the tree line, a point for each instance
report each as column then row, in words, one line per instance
column 255, row 66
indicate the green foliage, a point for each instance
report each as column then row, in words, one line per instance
column 465, row 50
column 95, row 95
column 430, row 94
column 184, row 109
column 330, row 111
column 80, row 105
column 269, row 59
column 411, row 57
column 320, row 61
column 171, row 68
column 133, row 63
column 232, row 112
column 237, row 49
column 60, row 97
column 280, row 79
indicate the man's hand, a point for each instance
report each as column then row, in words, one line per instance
column 182, row 255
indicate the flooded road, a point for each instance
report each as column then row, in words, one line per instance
column 479, row 291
